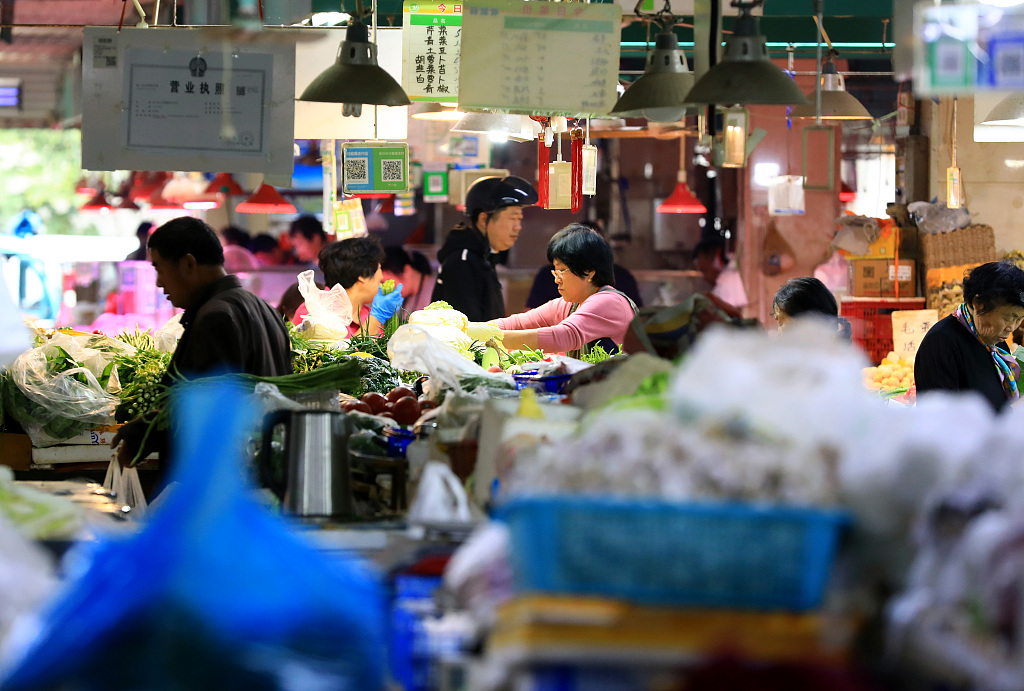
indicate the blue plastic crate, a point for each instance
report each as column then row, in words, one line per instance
column 551, row 383
column 697, row 554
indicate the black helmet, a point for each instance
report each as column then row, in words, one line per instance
column 492, row 193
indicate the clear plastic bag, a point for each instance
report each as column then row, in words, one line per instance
column 329, row 311
column 413, row 347
column 53, row 406
column 214, row 591
column 125, row 484
column 167, row 336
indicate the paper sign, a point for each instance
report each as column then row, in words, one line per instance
column 431, row 37
column 539, row 58
column 188, row 99
column 179, row 101
column 905, row 272
column 435, row 186
column 908, row 328
column 369, row 167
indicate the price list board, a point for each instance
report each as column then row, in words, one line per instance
column 539, row 58
column 431, row 36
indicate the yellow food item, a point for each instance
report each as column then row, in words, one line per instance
column 893, row 373
column 360, row 353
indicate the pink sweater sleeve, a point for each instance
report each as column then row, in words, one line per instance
column 548, row 314
column 602, row 315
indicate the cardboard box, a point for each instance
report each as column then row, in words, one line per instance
column 874, row 278
column 885, row 246
column 15, row 450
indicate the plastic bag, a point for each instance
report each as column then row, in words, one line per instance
column 15, row 336
column 124, row 483
column 855, row 234
column 168, row 335
column 213, row 592
column 440, row 497
column 26, row 577
column 54, row 407
column 414, row 348
column 329, row 311
column 939, row 218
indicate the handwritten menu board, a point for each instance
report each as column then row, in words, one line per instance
column 539, row 58
column 431, row 37
column 909, row 328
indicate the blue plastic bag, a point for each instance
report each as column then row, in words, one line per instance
column 215, row 592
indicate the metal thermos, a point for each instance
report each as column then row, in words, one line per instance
column 318, row 483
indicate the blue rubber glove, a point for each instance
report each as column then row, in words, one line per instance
column 386, row 306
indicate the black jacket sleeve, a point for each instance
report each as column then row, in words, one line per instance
column 460, row 285
column 937, row 366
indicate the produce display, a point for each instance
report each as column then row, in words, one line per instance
column 892, row 375
column 400, row 404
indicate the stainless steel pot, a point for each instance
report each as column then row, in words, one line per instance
column 318, row 482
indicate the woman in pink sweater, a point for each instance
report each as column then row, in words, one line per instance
column 590, row 310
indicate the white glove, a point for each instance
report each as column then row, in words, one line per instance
column 483, row 332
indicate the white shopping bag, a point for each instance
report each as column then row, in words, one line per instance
column 124, row 483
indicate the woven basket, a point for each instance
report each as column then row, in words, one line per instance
column 975, row 244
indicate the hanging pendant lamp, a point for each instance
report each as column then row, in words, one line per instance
column 660, row 93
column 355, row 77
column 266, row 200
column 437, row 111
column 682, row 200
column 846, row 193
column 157, row 202
column 99, row 203
column 1009, row 111
column 145, row 184
column 499, row 126
column 836, row 102
column 746, row 74
column 224, row 183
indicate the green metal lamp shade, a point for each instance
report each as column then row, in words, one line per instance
column 836, row 102
column 746, row 75
column 1009, row 111
column 660, row 93
column 355, row 78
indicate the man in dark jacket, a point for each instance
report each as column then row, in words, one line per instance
column 226, row 328
column 467, row 279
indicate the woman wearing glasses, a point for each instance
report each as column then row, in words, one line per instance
column 589, row 312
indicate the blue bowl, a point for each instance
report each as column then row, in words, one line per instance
column 552, row 383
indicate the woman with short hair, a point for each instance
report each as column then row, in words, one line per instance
column 589, row 312
column 967, row 350
column 808, row 296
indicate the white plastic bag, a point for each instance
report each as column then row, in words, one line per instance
column 15, row 336
column 26, row 578
column 124, row 482
column 440, row 497
column 53, row 398
column 329, row 311
column 168, row 335
column 414, row 347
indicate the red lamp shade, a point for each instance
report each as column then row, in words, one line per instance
column 84, row 187
column 846, row 193
column 224, row 183
column 99, row 202
column 127, row 203
column 387, row 206
column 158, row 203
column 265, row 200
column 145, row 184
column 682, row 201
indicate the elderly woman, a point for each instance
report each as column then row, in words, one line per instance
column 589, row 311
column 967, row 350
column 807, row 296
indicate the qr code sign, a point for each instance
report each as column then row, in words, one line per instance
column 392, row 170
column 1009, row 61
column 355, row 171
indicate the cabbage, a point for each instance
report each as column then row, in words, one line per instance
column 440, row 317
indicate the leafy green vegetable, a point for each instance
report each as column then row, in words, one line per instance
column 438, row 305
column 597, row 354
column 387, row 287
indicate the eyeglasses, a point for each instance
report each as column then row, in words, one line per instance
column 559, row 273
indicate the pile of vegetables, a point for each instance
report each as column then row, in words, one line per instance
column 400, row 404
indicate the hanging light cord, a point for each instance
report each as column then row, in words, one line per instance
column 819, row 6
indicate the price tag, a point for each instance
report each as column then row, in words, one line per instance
column 909, row 328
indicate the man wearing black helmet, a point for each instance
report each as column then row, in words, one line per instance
column 467, row 279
